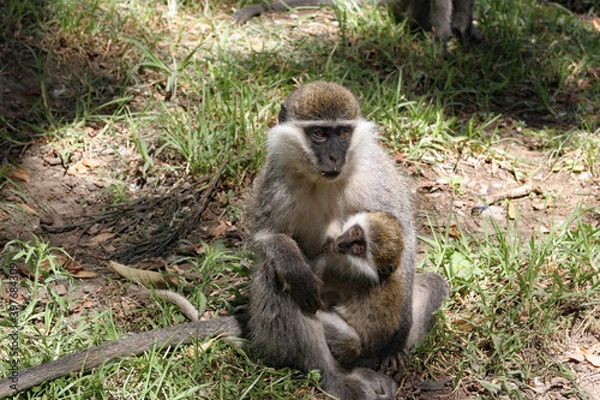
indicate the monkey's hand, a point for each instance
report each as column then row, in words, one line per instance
column 245, row 14
column 293, row 272
column 303, row 285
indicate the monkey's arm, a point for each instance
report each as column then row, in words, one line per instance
column 294, row 274
column 127, row 346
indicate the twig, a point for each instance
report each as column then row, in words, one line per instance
column 515, row 193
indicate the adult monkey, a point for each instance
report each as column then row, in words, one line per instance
column 324, row 164
column 446, row 17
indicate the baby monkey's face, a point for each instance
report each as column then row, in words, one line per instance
column 352, row 242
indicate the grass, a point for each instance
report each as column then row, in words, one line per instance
column 519, row 294
column 177, row 95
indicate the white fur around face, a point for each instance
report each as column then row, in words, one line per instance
column 302, row 197
column 361, row 267
column 334, row 229
column 357, row 219
column 287, row 144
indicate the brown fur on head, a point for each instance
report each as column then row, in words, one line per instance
column 320, row 101
column 386, row 241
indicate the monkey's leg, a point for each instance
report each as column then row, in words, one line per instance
column 125, row 347
column 430, row 291
column 441, row 20
column 462, row 22
column 342, row 339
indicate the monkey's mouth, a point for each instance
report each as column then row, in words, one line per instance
column 330, row 175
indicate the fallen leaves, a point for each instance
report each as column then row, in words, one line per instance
column 590, row 354
column 27, row 209
column 596, row 23
column 100, row 238
column 83, row 166
column 73, row 267
column 191, row 351
column 223, row 227
column 146, row 278
column 19, row 174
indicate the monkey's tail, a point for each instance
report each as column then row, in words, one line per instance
column 180, row 301
column 138, row 343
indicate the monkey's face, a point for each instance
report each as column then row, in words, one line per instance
column 329, row 145
column 352, row 242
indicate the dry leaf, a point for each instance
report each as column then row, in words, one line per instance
column 86, row 304
column 152, row 264
column 19, row 174
column 576, row 356
column 27, row 209
column 223, row 226
column 203, row 347
column 90, row 163
column 545, row 229
column 77, row 169
column 194, row 248
column 83, row 274
column 454, row 232
column 596, row 23
column 464, row 325
column 68, row 263
column 512, row 210
column 145, row 278
column 538, row 205
column 590, row 354
column 100, row 238
column 399, row 157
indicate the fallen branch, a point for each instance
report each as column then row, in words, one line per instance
column 515, row 193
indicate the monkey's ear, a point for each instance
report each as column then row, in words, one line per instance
column 283, row 114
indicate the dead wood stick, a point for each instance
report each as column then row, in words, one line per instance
column 515, row 193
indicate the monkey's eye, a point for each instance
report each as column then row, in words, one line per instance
column 319, row 135
column 358, row 250
column 343, row 134
column 355, row 232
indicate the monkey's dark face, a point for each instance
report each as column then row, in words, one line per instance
column 329, row 144
column 352, row 242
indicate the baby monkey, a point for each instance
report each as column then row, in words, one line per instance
column 367, row 288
